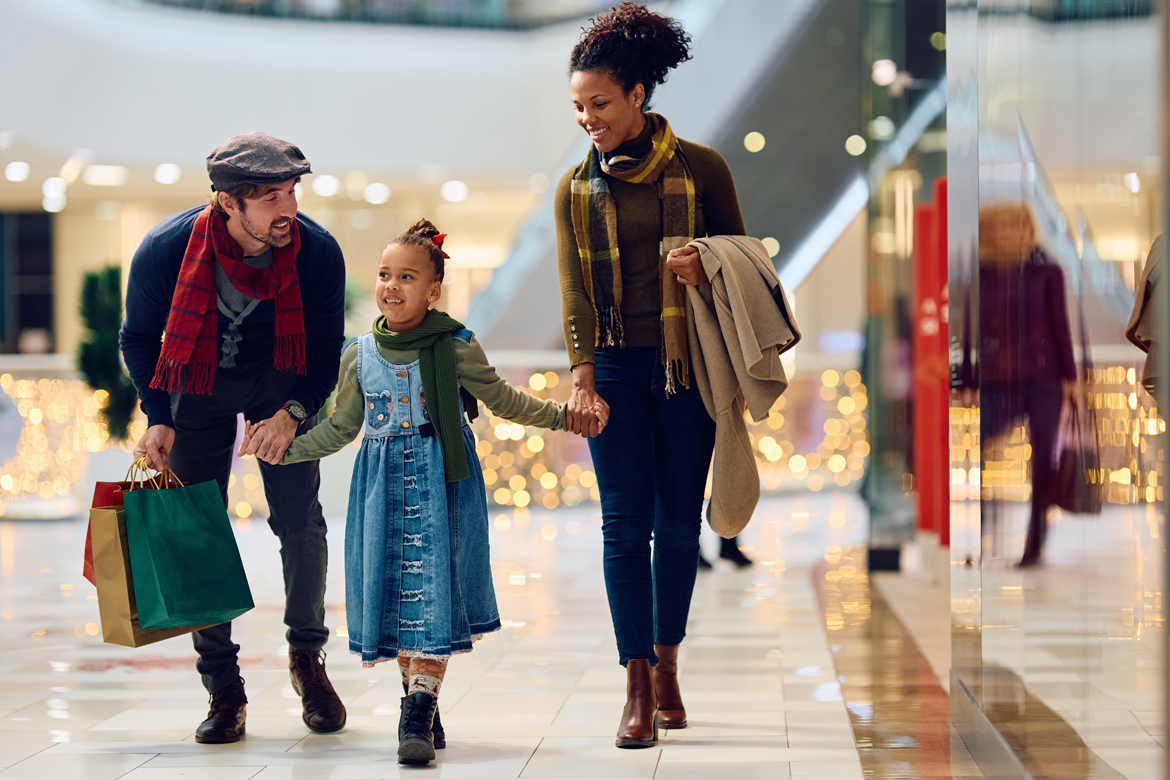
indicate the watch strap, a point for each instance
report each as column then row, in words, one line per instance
column 289, row 408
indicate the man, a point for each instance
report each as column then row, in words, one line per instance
column 237, row 307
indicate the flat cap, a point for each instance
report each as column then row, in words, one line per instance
column 254, row 158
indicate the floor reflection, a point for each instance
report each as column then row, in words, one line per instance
column 1046, row 743
column 899, row 712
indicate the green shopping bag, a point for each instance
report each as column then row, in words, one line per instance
column 186, row 565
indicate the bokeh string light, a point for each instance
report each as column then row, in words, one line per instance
column 62, row 425
column 814, row 437
column 1131, row 469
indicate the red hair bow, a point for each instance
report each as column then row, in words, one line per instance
column 438, row 241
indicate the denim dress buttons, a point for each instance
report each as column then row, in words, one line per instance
column 417, row 568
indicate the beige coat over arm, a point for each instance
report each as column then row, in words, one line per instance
column 739, row 325
column 1143, row 324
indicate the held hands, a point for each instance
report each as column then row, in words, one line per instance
column 587, row 413
column 601, row 412
column 685, row 264
column 155, row 445
column 269, row 439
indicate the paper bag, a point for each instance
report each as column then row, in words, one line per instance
column 115, row 586
column 187, row 566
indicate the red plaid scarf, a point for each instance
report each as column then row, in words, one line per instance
column 190, row 343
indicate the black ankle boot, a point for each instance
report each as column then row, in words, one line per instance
column 225, row 722
column 436, row 724
column 416, row 742
column 729, row 551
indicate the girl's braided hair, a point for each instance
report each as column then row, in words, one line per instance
column 421, row 234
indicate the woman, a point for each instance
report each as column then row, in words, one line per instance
column 624, row 217
column 1026, row 348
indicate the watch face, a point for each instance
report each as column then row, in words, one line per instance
column 296, row 411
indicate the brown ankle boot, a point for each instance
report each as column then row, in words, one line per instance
column 639, row 726
column 671, row 714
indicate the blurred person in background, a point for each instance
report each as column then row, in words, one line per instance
column 1143, row 324
column 1028, row 369
column 218, row 324
column 728, row 550
column 624, row 217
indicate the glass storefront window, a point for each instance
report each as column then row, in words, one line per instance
column 1057, row 451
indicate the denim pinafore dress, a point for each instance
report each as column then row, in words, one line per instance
column 418, row 578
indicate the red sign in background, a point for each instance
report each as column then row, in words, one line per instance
column 931, row 370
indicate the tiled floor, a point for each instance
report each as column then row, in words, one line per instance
column 1073, row 671
column 900, row 713
column 539, row 700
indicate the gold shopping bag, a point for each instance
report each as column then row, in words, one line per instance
column 115, row 585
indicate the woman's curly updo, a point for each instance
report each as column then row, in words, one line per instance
column 421, row 234
column 635, row 45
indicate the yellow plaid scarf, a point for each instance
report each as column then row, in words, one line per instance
column 595, row 226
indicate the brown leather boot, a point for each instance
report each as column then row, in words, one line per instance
column 671, row 714
column 639, row 726
column 225, row 721
column 322, row 710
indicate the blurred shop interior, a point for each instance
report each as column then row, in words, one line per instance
column 874, row 145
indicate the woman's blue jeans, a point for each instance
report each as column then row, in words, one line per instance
column 651, row 462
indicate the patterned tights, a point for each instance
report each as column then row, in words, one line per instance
column 422, row 675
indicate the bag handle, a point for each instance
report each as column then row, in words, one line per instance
column 162, row 480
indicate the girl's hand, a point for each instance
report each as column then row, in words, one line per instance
column 601, row 411
column 580, row 417
column 686, row 265
column 249, row 432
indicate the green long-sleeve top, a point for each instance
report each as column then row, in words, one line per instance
column 639, row 233
column 475, row 375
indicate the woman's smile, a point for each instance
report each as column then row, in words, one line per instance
column 597, row 134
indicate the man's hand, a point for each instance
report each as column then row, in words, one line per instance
column 586, row 413
column 686, row 265
column 155, row 445
column 269, row 439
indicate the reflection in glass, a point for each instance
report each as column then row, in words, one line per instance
column 1028, row 367
column 1057, row 451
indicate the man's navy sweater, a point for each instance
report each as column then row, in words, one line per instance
column 154, row 273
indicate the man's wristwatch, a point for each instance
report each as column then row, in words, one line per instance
column 296, row 411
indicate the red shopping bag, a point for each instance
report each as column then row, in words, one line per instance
column 109, row 494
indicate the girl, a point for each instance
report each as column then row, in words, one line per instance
column 418, row 582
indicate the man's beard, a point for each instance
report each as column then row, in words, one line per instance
column 265, row 235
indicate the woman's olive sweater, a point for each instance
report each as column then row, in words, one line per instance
column 639, row 231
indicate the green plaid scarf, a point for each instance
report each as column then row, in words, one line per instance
column 595, row 226
column 437, row 364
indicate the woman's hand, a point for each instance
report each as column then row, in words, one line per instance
column 686, row 265
column 586, row 413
